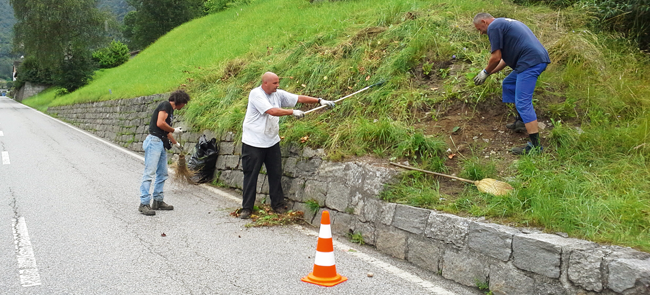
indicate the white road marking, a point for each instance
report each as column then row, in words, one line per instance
column 25, row 254
column 2, row 133
column 407, row 276
column 5, row 158
column 386, row 266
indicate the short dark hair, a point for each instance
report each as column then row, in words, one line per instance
column 179, row 97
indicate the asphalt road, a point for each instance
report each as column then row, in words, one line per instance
column 69, row 225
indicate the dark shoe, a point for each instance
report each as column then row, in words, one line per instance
column 245, row 214
column 517, row 126
column 146, row 210
column 280, row 210
column 527, row 149
column 161, row 205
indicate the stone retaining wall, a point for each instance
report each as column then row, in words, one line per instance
column 466, row 250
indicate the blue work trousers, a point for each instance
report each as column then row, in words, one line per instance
column 518, row 88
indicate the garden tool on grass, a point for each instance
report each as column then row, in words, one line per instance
column 486, row 185
column 342, row 98
column 181, row 173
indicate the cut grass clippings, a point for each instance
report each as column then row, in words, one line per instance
column 264, row 216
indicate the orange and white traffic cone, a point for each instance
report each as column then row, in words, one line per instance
column 324, row 273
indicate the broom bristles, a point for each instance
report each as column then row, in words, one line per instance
column 181, row 173
column 493, row 186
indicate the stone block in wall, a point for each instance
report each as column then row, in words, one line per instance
column 629, row 275
column 308, row 214
column 289, row 167
column 506, row 279
column 541, row 253
column 378, row 211
column 465, row 267
column 233, row 178
column 491, row 239
column 338, row 196
column 425, row 253
column 315, row 190
column 353, row 174
column 307, row 167
column 585, row 269
column 448, row 228
column 343, row 223
column 367, row 230
column 293, row 188
column 226, row 148
column 376, row 178
column 309, row 153
column 231, row 161
column 391, row 241
column 238, row 147
column 228, row 136
column 332, row 171
column 411, row 219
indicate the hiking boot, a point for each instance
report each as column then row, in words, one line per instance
column 245, row 214
column 280, row 210
column 161, row 205
column 146, row 210
column 528, row 149
column 517, row 126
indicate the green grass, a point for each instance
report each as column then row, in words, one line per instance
column 592, row 183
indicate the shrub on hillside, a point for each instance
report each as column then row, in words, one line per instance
column 112, row 56
column 75, row 71
column 630, row 17
column 212, row 6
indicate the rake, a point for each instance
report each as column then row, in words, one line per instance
column 342, row 98
column 486, row 185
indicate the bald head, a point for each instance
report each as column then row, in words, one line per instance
column 270, row 82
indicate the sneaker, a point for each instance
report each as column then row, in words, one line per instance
column 280, row 210
column 245, row 214
column 527, row 149
column 161, row 205
column 517, row 126
column 146, row 210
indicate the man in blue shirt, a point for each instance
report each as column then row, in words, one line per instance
column 513, row 44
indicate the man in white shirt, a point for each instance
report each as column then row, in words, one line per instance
column 261, row 139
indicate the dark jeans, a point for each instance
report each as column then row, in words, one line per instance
column 252, row 160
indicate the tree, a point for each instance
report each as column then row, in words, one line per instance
column 58, row 33
column 154, row 18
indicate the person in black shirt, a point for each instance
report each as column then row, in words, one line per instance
column 155, row 156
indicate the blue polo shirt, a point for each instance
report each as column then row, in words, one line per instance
column 520, row 49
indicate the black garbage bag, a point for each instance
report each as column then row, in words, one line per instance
column 204, row 159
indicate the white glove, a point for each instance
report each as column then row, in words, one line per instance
column 480, row 78
column 298, row 113
column 327, row 103
column 178, row 130
column 178, row 147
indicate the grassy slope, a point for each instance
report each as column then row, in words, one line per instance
column 592, row 183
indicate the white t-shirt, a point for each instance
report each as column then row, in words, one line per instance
column 261, row 129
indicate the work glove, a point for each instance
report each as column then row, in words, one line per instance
column 480, row 78
column 298, row 114
column 178, row 130
column 177, row 147
column 327, row 103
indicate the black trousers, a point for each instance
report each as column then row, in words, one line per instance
column 252, row 160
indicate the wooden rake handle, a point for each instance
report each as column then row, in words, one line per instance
column 342, row 98
column 434, row 173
